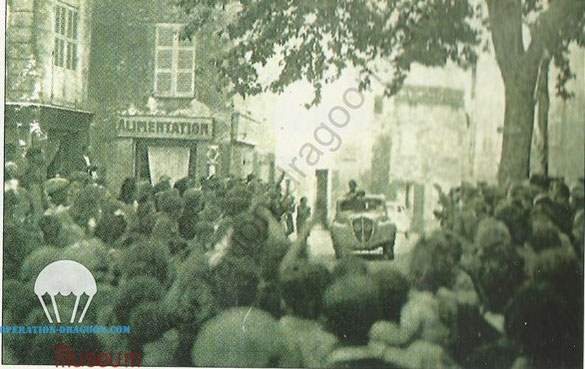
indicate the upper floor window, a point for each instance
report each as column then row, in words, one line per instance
column 174, row 73
column 66, row 37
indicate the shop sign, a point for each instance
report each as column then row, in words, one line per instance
column 165, row 127
column 431, row 95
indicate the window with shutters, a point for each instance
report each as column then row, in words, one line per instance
column 174, row 74
column 66, row 36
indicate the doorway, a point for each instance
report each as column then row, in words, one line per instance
column 172, row 158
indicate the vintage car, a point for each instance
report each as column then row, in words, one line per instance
column 362, row 223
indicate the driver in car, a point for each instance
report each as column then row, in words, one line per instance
column 352, row 189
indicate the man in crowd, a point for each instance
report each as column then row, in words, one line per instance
column 303, row 213
column 216, row 259
column 352, row 189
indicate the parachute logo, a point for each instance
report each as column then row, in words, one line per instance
column 65, row 277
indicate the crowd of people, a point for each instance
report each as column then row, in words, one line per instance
column 205, row 274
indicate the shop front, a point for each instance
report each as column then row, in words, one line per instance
column 62, row 134
column 150, row 147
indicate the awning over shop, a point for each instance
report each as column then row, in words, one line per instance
column 62, row 133
column 48, row 116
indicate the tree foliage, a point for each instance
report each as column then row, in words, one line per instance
column 317, row 40
column 551, row 26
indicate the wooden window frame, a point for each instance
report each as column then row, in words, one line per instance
column 174, row 69
column 66, row 36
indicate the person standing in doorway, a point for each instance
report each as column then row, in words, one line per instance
column 288, row 204
column 89, row 166
column 303, row 214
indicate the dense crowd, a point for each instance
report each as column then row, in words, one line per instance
column 204, row 273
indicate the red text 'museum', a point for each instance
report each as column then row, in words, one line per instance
column 64, row 356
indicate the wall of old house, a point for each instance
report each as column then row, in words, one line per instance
column 21, row 75
column 46, row 105
column 62, row 86
column 243, row 159
column 429, row 143
column 122, row 76
column 31, row 74
column 264, row 168
column 422, row 138
column 567, row 123
column 21, row 58
column 122, row 73
column 123, row 150
column 122, row 82
column 487, row 114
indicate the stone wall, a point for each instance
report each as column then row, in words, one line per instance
column 31, row 75
column 21, row 60
column 567, row 123
column 423, row 138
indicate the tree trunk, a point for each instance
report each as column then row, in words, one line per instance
column 519, row 67
column 519, row 70
column 518, row 127
column 543, row 102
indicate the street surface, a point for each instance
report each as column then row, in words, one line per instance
column 321, row 250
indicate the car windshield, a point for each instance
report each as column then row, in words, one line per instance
column 364, row 204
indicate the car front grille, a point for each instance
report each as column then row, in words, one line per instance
column 363, row 228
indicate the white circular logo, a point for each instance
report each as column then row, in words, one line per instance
column 65, row 277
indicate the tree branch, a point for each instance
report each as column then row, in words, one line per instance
column 560, row 21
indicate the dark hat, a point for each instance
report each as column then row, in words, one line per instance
column 491, row 231
column 351, row 306
column 540, row 180
column 169, row 201
column 55, row 185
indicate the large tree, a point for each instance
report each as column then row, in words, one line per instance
column 552, row 26
column 314, row 40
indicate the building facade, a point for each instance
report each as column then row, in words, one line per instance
column 446, row 125
column 566, row 123
column 47, row 63
column 422, row 140
column 240, row 155
column 160, row 108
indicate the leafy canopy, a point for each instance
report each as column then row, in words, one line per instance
column 315, row 40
